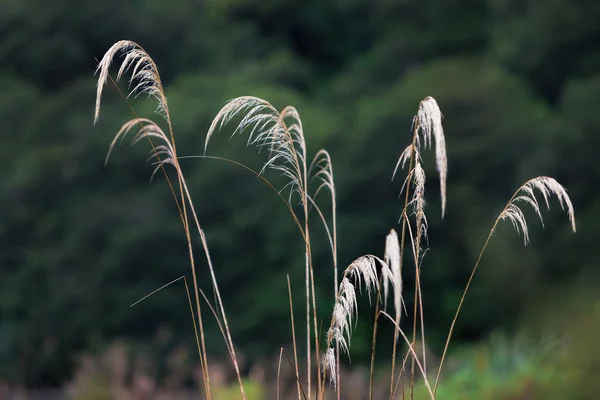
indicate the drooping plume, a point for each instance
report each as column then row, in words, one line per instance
column 392, row 259
column 144, row 72
column 430, row 123
column 345, row 309
column 547, row 186
column 269, row 128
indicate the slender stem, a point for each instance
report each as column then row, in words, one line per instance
column 414, row 333
column 417, row 300
column 308, row 352
column 374, row 340
column 183, row 215
column 215, row 287
column 293, row 331
column 435, row 386
column 335, row 280
column 402, row 244
column 309, row 266
column 487, row 241
column 414, row 355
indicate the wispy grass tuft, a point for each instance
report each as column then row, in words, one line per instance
column 146, row 74
column 345, row 309
column 525, row 194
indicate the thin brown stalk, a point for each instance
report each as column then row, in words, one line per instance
column 217, row 292
column 459, row 308
column 374, row 341
column 417, row 301
column 547, row 186
column 187, row 291
column 415, row 250
column 309, row 265
column 282, row 353
column 414, row 355
column 402, row 247
column 293, row 330
column 279, row 371
column 265, row 180
column 321, row 169
column 183, row 216
column 295, row 373
column 400, row 380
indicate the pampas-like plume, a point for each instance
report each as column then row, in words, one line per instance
column 147, row 128
column 345, row 309
column 392, row 259
column 144, row 71
column 430, row 123
column 268, row 128
column 418, row 176
column 547, row 186
column 287, row 154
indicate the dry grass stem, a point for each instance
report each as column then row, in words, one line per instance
column 146, row 73
column 283, row 134
column 547, row 186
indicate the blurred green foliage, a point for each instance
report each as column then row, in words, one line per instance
column 555, row 357
column 518, row 84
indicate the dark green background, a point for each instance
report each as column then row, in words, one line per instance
column 518, row 84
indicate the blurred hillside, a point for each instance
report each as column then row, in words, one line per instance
column 518, row 84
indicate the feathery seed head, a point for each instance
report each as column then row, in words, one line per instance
column 321, row 168
column 547, row 186
column 430, row 123
column 404, row 157
column 392, row 259
column 363, row 269
column 419, row 200
column 144, row 71
column 146, row 128
column 345, row 310
column 268, row 128
column 329, row 365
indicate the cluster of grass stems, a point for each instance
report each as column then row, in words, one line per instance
column 283, row 135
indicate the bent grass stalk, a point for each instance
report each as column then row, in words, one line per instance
column 146, row 72
column 547, row 186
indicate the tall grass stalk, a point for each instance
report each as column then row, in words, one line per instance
column 547, row 186
column 149, row 82
column 428, row 123
column 287, row 154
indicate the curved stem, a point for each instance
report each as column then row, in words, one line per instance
column 183, row 215
column 261, row 177
column 459, row 307
column 467, row 289
column 374, row 341
column 414, row 355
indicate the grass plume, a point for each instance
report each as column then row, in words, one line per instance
column 547, row 187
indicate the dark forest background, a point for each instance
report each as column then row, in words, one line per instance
column 518, row 84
